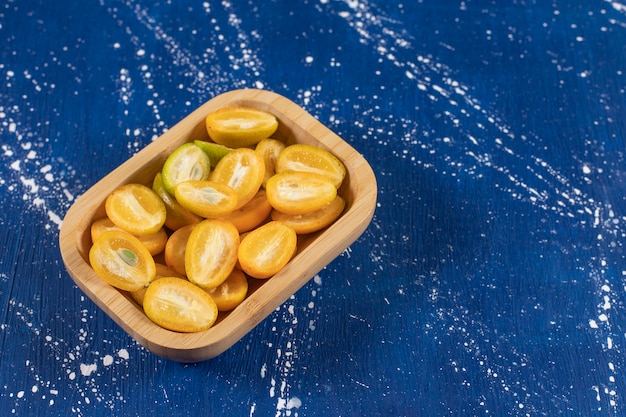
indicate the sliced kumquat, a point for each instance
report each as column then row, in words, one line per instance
column 230, row 293
column 98, row 227
column 211, row 253
column 176, row 215
column 175, row 249
column 298, row 192
column 252, row 214
column 187, row 162
column 309, row 158
column 136, row 208
column 178, row 305
column 121, row 260
column 161, row 271
column 242, row 170
column 240, row 126
column 155, row 243
column 269, row 149
column 313, row 221
column 267, row 249
column 208, row 199
column 214, row 151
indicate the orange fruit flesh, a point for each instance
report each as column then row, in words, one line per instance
column 266, row 250
column 293, row 192
column 211, row 253
column 230, row 293
column 309, row 158
column 155, row 243
column 208, row 199
column 175, row 249
column 252, row 214
column 178, row 305
column 136, row 208
column 240, row 126
column 161, row 271
column 242, row 170
column 269, row 150
column 176, row 215
column 121, row 260
column 313, row 221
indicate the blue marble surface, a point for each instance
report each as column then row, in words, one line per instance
column 492, row 279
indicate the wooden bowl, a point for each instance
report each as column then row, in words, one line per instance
column 314, row 250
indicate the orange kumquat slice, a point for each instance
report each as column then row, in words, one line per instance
column 211, row 253
column 175, row 249
column 240, row 126
column 155, row 243
column 136, row 208
column 267, row 249
column 309, row 158
column 176, row 215
column 180, row 306
column 269, row 149
column 293, row 192
column 161, row 271
column 121, row 260
column 252, row 214
column 313, row 221
column 230, row 293
column 208, row 199
column 243, row 170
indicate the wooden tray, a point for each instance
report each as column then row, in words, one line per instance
column 314, row 251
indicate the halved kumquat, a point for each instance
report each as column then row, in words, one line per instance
column 121, row 260
column 175, row 249
column 155, row 243
column 211, row 253
column 161, row 271
column 178, row 305
column 269, row 149
column 214, row 151
column 136, row 208
column 293, row 192
column 208, row 199
column 187, row 162
column 240, row 126
column 230, row 293
column 267, row 249
column 243, row 170
column 313, row 221
column 252, row 214
column 309, row 158
column 176, row 215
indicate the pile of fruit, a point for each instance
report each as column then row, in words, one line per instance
column 218, row 214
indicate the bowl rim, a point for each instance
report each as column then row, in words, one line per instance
column 195, row 347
